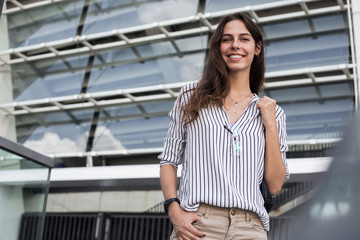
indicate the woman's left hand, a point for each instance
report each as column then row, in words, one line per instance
column 267, row 107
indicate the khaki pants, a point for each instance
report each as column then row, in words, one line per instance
column 228, row 224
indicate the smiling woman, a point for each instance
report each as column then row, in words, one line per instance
column 218, row 131
column 238, row 47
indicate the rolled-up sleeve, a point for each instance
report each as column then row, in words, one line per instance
column 174, row 143
column 281, row 125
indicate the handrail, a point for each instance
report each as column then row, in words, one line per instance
column 25, row 152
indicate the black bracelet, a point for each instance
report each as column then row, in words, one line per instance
column 168, row 202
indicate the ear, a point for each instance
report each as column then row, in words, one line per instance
column 258, row 48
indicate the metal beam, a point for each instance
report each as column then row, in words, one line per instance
column 148, row 172
column 21, row 151
column 165, row 36
column 354, row 22
column 31, row 5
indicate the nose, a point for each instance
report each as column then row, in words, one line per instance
column 236, row 44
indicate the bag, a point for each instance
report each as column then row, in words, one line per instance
column 268, row 199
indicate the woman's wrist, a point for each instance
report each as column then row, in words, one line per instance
column 173, row 209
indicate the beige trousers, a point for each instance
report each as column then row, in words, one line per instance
column 228, row 224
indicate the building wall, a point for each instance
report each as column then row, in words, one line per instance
column 102, row 99
column 7, row 126
column 11, row 204
column 11, row 207
column 109, row 201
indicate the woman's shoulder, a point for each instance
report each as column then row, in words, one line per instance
column 187, row 90
column 189, row 87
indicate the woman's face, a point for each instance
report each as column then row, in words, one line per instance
column 237, row 47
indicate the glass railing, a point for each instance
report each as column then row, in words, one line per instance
column 24, row 186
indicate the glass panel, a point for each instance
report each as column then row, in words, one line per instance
column 155, row 49
column 310, row 42
column 118, row 55
column 55, row 132
column 48, row 78
column 24, row 187
column 305, row 26
column 116, row 132
column 108, row 15
column 159, row 107
column 152, row 72
column 218, row 5
column 317, row 120
column 315, row 112
column 294, row 94
column 337, row 90
column 322, row 50
column 50, row 23
column 193, row 43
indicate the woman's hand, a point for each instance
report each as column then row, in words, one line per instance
column 267, row 108
column 182, row 222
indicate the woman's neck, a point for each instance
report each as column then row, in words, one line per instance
column 239, row 84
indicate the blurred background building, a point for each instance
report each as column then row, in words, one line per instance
column 89, row 83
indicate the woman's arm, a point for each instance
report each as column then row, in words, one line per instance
column 181, row 220
column 274, row 168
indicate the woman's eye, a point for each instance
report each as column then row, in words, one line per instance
column 246, row 39
column 226, row 40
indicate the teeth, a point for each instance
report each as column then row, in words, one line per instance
column 236, row 56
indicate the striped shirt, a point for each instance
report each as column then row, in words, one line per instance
column 222, row 163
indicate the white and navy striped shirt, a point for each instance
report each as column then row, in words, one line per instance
column 222, row 163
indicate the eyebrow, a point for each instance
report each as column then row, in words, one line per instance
column 241, row 34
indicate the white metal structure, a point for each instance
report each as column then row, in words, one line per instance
column 53, row 49
column 141, row 176
column 166, row 92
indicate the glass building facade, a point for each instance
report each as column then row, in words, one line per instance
column 24, row 187
column 99, row 77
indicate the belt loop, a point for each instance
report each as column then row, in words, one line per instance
column 247, row 216
column 207, row 211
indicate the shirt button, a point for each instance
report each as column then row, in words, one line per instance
column 233, row 212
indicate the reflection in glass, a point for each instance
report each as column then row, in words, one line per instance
column 315, row 112
column 317, row 119
column 123, row 127
column 155, row 49
column 108, row 15
column 50, row 23
column 218, row 5
column 118, row 55
column 301, row 52
column 24, row 186
column 48, row 78
column 304, row 26
column 152, row 72
column 55, row 132
column 193, row 43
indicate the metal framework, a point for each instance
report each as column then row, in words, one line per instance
column 200, row 24
column 163, row 92
column 196, row 25
column 19, row 7
column 18, row 151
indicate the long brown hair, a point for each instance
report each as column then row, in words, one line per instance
column 214, row 84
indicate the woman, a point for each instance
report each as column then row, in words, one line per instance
column 218, row 131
